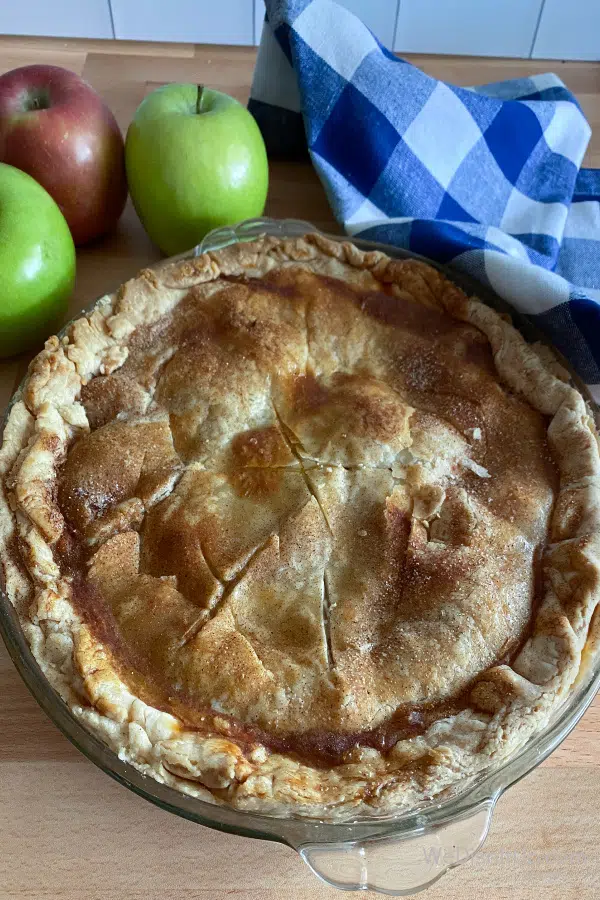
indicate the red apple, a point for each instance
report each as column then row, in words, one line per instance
column 56, row 128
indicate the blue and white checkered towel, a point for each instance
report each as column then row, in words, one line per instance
column 486, row 178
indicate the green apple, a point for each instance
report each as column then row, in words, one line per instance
column 195, row 160
column 37, row 262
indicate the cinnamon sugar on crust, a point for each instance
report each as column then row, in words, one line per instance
column 302, row 529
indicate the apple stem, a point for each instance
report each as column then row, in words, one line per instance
column 199, row 98
column 38, row 100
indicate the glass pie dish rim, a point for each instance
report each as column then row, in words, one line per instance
column 299, row 831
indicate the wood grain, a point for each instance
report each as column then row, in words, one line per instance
column 66, row 830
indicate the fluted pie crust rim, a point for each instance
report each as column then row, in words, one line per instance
column 507, row 704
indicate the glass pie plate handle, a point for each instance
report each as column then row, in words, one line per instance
column 249, row 230
column 401, row 865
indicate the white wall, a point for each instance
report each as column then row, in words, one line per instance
column 60, row 18
column 569, row 29
column 563, row 29
column 194, row 21
column 481, row 27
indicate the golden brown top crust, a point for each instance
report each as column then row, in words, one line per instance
column 313, row 500
column 340, row 541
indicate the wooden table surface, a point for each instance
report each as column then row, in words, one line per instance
column 67, row 831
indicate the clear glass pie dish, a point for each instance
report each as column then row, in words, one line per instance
column 396, row 855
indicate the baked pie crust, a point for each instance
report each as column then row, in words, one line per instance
column 303, row 529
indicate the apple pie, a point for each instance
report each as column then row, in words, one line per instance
column 303, row 529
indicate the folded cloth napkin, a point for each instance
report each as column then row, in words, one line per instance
column 486, row 178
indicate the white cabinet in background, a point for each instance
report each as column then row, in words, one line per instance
column 192, row 21
column 472, row 27
column 56, row 18
column 378, row 15
column 569, row 30
column 259, row 15
column 555, row 29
